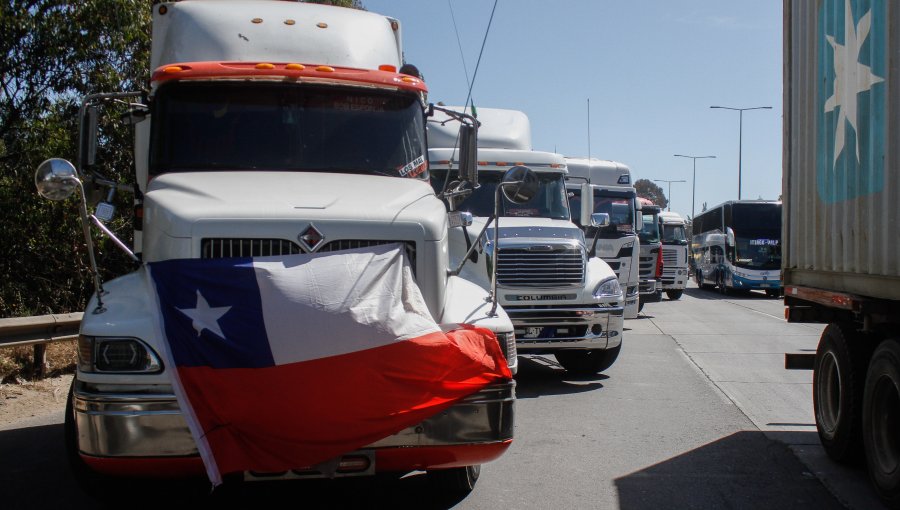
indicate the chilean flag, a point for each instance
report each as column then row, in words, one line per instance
column 289, row 361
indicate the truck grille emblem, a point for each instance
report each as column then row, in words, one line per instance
column 310, row 238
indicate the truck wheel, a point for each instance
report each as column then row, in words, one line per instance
column 838, row 377
column 640, row 305
column 881, row 421
column 454, row 482
column 588, row 362
column 675, row 294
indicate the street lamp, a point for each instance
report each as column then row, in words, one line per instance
column 694, row 180
column 740, row 133
column 670, row 190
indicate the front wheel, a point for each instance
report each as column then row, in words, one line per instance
column 588, row 362
column 720, row 284
column 675, row 294
column 881, row 421
column 454, row 482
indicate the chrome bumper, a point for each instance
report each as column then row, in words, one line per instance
column 548, row 328
column 151, row 425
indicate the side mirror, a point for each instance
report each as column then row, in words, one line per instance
column 587, row 204
column 519, row 184
column 56, row 179
column 729, row 236
column 459, row 219
column 468, row 154
column 600, row 219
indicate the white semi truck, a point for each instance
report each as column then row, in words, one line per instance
column 562, row 300
column 841, row 222
column 674, row 253
column 651, row 262
column 616, row 243
column 270, row 128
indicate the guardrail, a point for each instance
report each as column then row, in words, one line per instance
column 39, row 331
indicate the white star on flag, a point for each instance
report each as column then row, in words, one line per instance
column 851, row 76
column 205, row 317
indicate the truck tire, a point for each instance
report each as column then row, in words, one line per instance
column 838, row 381
column 675, row 294
column 454, row 482
column 588, row 362
column 881, row 421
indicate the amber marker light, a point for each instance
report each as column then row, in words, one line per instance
column 325, row 69
column 407, row 79
column 256, row 21
column 482, row 163
column 289, row 22
column 322, row 25
column 173, row 69
column 387, row 67
column 295, row 67
column 265, row 65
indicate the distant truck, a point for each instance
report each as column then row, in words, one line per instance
column 617, row 243
column 270, row 129
column 561, row 299
column 842, row 221
column 674, row 253
column 651, row 261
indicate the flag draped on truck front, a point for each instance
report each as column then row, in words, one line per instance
column 285, row 362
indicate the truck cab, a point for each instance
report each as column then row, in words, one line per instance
column 651, row 268
column 264, row 136
column 674, row 253
column 617, row 243
column 561, row 300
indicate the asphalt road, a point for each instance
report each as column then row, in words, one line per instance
column 698, row 412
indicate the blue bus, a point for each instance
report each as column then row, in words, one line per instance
column 737, row 246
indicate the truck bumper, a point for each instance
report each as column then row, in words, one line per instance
column 544, row 329
column 146, row 435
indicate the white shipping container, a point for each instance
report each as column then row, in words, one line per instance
column 841, row 180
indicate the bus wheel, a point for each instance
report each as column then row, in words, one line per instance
column 720, row 284
column 838, row 374
column 881, row 421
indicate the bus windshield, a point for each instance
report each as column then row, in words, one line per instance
column 278, row 126
column 549, row 202
column 757, row 235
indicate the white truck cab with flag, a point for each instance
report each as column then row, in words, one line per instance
column 286, row 227
column 616, row 243
column 674, row 253
column 561, row 299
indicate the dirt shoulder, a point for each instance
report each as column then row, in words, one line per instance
column 33, row 399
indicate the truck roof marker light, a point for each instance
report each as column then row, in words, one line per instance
column 394, row 25
column 482, row 163
column 264, row 65
column 163, row 10
column 518, row 163
column 295, row 67
column 388, row 67
column 553, row 165
column 289, row 22
column 325, row 69
column 409, row 79
column 501, row 163
column 322, row 25
column 256, row 21
column 173, row 69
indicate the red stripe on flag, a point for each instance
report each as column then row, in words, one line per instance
column 300, row 414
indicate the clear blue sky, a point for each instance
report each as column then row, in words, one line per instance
column 651, row 70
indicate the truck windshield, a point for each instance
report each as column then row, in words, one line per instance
column 649, row 233
column 549, row 202
column 673, row 234
column 277, row 126
column 620, row 207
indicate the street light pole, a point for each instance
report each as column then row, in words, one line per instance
column 670, row 190
column 741, row 133
column 694, row 180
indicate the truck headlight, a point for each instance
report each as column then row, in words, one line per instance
column 116, row 355
column 608, row 288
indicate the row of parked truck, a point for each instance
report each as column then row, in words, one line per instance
column 273, row 130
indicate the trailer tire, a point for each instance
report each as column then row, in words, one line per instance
column 674, row 295
column 838, row 382
column 881, row 421
column 588, row 362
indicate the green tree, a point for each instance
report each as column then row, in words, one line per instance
column 55, row 52
column 647, row 189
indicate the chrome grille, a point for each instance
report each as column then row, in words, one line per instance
column 560, row 267
column 647, row 267
column 215, row 248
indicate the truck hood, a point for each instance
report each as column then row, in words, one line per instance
column 175, row 202
column 532, row 230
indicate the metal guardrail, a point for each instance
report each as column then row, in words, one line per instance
column 41, row 329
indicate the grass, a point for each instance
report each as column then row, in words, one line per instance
column 17, row 363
